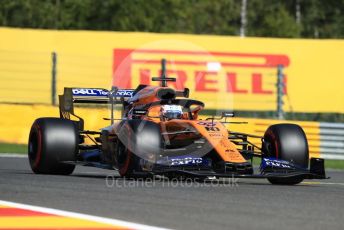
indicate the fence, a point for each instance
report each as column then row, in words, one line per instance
column 25, row 77
column 38, row 77
column 332, row 140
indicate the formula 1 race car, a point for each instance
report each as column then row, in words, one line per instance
column 159, row 133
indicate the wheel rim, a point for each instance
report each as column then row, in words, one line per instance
column 35, row 147
column 123, row 159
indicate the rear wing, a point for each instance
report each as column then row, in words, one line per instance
column 93, row 96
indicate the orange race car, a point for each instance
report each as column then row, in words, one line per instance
column 159, row 133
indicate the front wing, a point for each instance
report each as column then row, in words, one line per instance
column 273, row 169
column 303, row 175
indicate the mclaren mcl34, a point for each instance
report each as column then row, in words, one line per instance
column 159, row 133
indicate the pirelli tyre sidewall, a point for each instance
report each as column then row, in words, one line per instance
column 52, row 141
column 137, row 138
column 286, row 142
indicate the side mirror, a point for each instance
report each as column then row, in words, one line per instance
column 184, row 93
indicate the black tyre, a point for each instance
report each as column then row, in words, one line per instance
column 286, row 142
column 138, row 139
column 51, row 141
column 127, row 161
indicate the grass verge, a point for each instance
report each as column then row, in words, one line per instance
column 334, row 164
column 13, row 148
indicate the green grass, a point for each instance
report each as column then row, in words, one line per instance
column 13, row 148
column 334, row 164
column 21, row 148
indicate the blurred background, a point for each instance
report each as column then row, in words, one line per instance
column 277, row 60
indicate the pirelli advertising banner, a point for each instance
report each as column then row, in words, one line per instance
column 225, row 72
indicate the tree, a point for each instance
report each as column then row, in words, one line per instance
column 271, row 19
column 266, row 18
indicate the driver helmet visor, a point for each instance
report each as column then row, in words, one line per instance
column 172, row 111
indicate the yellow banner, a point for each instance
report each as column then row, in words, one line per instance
column 225, row 72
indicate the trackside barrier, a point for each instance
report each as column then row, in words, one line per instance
column 259, row 126
column 93, row 59
column 324, row 139
column 332, row 140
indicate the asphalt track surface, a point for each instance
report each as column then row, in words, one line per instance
column 242, row 204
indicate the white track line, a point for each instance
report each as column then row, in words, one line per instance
column 98, row 219
column 13, row 155
column 321, row 183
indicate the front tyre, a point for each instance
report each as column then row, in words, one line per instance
column 127, row 161
column 138, row 140
column 52, row 141
column 286, row 142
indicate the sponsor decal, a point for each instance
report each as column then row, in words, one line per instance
column 89, row 92
column 212, row 129
column 124, row 93
column 209, row 126
column 183, row 161
column 101, row 92
column 196, row 69
column 216, row 135
column 274, row 163
column 186, row 161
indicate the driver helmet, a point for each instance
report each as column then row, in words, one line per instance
column 171, row 111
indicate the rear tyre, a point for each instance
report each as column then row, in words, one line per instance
column 51, row 141
column 286, row 142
